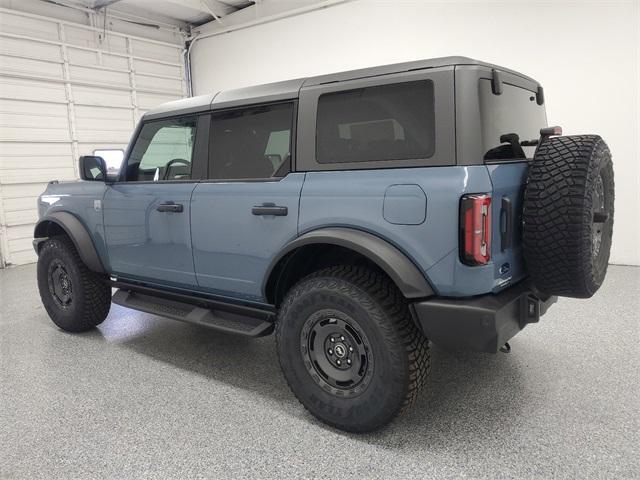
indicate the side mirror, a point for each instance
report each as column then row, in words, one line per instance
column 93, row 168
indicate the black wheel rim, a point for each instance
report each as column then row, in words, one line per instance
column 600, row 216
column 337, row 353
column 60, row 286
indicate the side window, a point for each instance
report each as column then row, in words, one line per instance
column 251, row 143
column 163, row 151
column 384, row 122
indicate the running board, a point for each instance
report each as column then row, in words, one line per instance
column 250, row 326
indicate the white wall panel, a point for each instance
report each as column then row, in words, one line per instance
column 65, row 90
column 585, row 53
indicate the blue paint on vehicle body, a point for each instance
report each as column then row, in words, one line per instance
column 217, row 246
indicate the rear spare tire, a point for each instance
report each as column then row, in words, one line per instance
column 568, row 215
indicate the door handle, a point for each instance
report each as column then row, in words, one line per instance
column 506, row 224
column 170, row 207
column 270, row 209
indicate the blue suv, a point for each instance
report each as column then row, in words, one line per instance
column 359, row 215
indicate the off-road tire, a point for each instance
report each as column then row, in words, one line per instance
column 90, row 298
column 569, row 187
column 400, row 360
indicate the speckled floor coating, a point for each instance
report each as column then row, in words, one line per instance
column 145, row 397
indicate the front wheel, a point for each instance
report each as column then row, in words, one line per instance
column 75, row 298
column 349, row 349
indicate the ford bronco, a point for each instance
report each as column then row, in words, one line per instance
column 359, row 215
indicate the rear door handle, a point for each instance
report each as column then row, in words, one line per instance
column 170, row 207
column 270, row 209
column 506, row 224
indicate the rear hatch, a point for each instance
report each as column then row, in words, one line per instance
column 510, row 124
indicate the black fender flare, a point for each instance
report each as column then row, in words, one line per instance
column 404, row 273
column 78, row 234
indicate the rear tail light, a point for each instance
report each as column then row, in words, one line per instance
column 475, row 229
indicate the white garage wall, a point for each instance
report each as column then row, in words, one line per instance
column 65, row 90
column 586, row 54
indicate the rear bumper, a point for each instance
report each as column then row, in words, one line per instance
column 483, row 323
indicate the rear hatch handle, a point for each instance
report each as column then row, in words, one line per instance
column 506, row 224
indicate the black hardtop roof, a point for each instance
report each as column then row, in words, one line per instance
column 289, row 89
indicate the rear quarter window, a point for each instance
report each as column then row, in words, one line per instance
column 378, row 123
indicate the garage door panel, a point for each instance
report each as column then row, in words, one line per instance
column 21, row 217
column 78, row 56
column 38, row 114
column 48, row 161
column 88, row 74
column 28, row 121
column 21, row 244
column 39, row 149
column 83, row 37
column 143, row 66
column 20, row 231
column 150, row 100
column 28, row 26
column 101, row 96
column 20, row 204
column 87, row 112
column 41, row 175
column 32, row 90
column 156, row 51
column 90, row 58
column 19, row 190
column 25, row 107
column 55, row 133
column 107, row 124
column 143, row 81
column 115, row 61
column 103, row 135
column 23, row 257
column 32, row 48
column 29, row 66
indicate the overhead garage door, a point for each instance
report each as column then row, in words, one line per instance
column 65, row 90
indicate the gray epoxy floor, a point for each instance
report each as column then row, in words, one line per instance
column 145, row 397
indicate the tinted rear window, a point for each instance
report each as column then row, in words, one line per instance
column 250, row 143
column 386, row 122
column 515, row 111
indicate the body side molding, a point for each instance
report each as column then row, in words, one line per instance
column 78, row 234
column 409, row 279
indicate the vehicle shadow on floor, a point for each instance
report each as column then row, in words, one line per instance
column 465, row 392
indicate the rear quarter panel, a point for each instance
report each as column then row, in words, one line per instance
column 356, row 199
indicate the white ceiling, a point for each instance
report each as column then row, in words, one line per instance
column 177, row 12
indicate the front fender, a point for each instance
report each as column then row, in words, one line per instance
column 76, row 231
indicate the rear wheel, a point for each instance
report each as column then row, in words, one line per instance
column 349, row 349
column 75, row 298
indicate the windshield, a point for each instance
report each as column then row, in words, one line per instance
column 511, row 122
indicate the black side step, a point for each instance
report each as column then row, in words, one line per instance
column 250, row 326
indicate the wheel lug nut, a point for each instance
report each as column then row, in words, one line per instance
column 342, row 338
column 351, row 349
column 330, row 352
column 338, row 362
column 332, row 339
column 348, row 361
